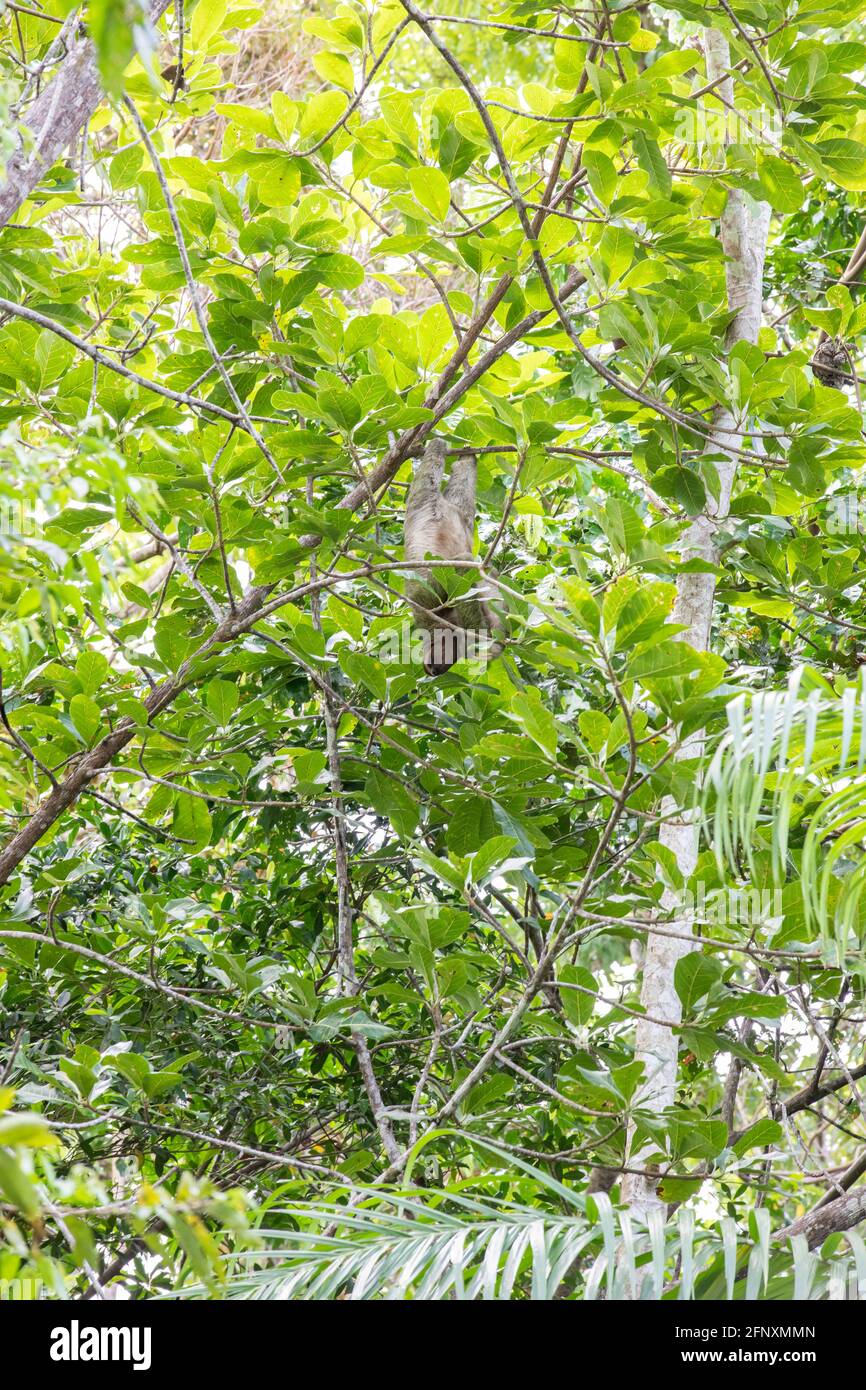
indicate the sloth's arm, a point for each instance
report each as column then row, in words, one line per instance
column 424, row 489
column 460, row 491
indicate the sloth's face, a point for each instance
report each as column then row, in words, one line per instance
column 443, row 647
column 437, row 668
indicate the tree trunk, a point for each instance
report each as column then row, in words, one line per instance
column 55, row 118
column 743, row 231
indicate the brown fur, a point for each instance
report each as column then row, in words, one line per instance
column 442, row 525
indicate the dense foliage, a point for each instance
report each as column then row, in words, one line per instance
column 281, row 915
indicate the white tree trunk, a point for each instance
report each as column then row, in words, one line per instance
column 743, row 229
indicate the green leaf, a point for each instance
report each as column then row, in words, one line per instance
column 490, row 856
column 79, row 519
column 617, row 252
column 601, row 173
column 91, row 668
column 333, row 67
column 684, row 486
column 159, row 1083
column 391, row 798
column 762, row 1134
column 347, row 617
column 207, row 19
column 111, row 24
column 172, row 642
column 846, row 161
column 85, row 715
column 529, row 710
column 191, row 820
column 694, row 976
column 321, row 113
column 132, row 1067
column 17, row 1187
column 664, row 661
column 651, row 159
column 432, row 190
column 277, row 180
column 285, row 114
column 125, row 166
column 253, row 121
column 781, row 183
column 577, row 1004
column 362, row 668
column 643, row 40
column 748, row 1004
column 595, row 728
column 222, row 699
column 24, row 1128
column 341, row 407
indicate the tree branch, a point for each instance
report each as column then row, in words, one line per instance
column 839, row 1215
column 55, row 118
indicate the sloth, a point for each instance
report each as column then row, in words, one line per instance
column 830, row 363
column 442, row 525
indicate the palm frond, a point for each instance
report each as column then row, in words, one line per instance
column 797, row 758
column 401, row 1248
column 450, row 1244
